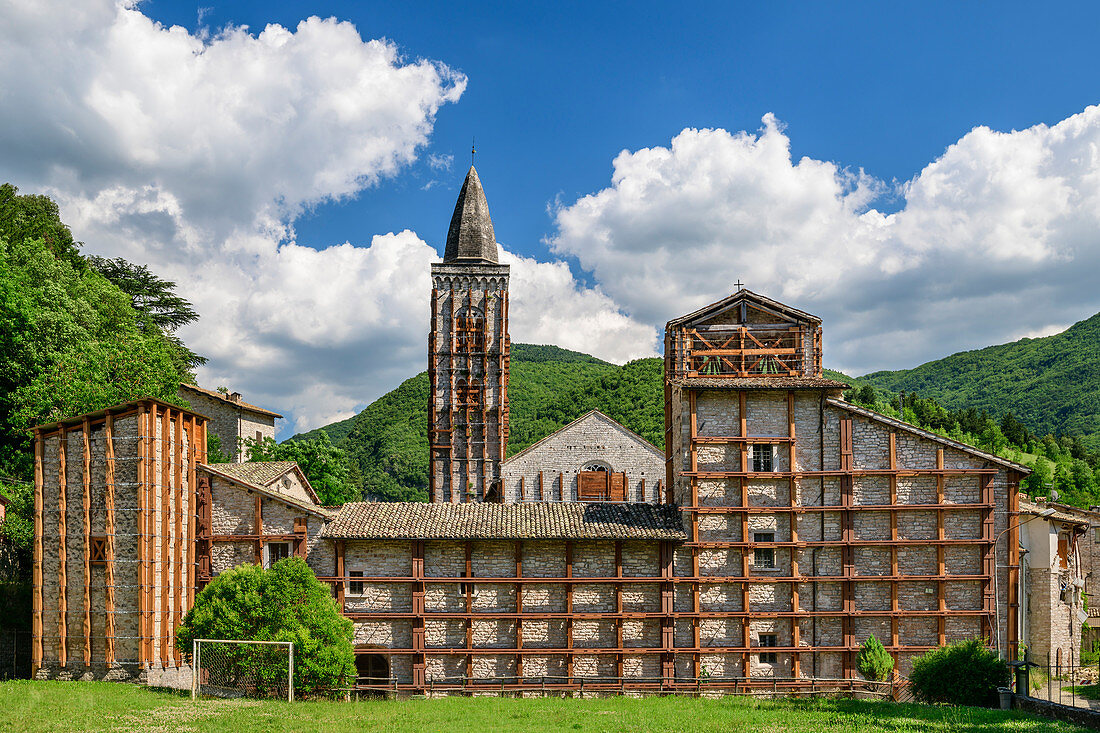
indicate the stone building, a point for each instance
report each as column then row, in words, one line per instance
column 230, row 418
column 1059, row 552
column 779, row 529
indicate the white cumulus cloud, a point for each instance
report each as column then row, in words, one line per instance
column 997, row 238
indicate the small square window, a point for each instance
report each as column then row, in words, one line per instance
column 465, row 589
column 276, row 551
column 769, row 640
column 356, row 588
column 763, row 458
column 763, row 557
column 98, row 550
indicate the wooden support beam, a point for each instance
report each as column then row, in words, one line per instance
column 561, row 486
column 542, row 496
column 62, row 551
column 619, row 607
column 895, row 606
column 192, row 511
column 419, row 665
column 258, row 525
column 342, row 582
column 519, row 607
column 109, row 569
column 178, row 596
column 469, row 593
column 941, row 586
column 792, row 519
column 164, row 637
column 87, row 541
column 36, row 582
column 568, row 610
column 522, row 490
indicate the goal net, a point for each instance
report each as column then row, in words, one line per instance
column 233, row 668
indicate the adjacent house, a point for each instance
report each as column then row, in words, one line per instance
column 230, row 418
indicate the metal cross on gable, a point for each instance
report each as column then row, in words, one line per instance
column 738, row 284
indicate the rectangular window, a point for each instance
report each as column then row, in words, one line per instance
column 259, row 437
column 98, row 550
column 276, row 551
column 769, row 640
column 763, row 558
column 763, row 458
column 356, row 588
column 465, row 589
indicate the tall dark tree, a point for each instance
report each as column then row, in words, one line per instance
column 155, row 298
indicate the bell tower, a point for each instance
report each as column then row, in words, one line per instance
column 468, row 357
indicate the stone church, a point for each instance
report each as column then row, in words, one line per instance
column 775, row 531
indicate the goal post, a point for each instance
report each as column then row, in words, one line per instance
column 240, row 668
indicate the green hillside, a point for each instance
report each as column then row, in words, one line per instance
column 389, row 439
column 1051, row 384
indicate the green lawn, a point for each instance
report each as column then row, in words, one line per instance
column 101, row 706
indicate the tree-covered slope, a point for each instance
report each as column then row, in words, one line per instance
column 1051, row 384
column 388, row 440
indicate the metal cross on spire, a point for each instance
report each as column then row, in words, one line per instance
column 473, row 149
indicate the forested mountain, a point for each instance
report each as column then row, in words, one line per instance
column 549, row 388
column 1051, row 384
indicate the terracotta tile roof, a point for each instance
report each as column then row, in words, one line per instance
column 259, row 473
column 1028, row 507
column 571, row 520
column 760, row 383
column 219, row 396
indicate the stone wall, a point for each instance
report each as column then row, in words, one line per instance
column 817, row 429
column 230, row 422
column 594, row 438
column 169, row 515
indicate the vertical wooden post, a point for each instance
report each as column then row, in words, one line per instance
column 792, row 519
column 542, row 495
column 746, row 626
column 258, row 523
column 109, row 569
column 1012, row 596
column 619, row 610
column 192, row 510
column 469, row 573
column 87, row 515
column 177, row 538
column 419, row 657
column 941, row 569
column 569, row 610
column 847, row 452
column 140, row 491
column 895, row 606
column 519, row 610
column 36, row 590
column 340, row 575
column 164, row 638
column 62, row 550
column 668, row 636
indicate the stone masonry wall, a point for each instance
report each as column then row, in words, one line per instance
column 592, row 439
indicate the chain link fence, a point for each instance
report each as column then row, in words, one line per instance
column 228, row 669
column 15, row 654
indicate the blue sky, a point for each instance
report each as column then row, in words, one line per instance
column 558, row 89
column 925, row 177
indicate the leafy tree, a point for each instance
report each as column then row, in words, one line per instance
column 214, row 452
column 875, row 663
column 325, row 465
column 33, row 216
column 962, row 673
column 69, row 343
column 283, row 603
column 156, row 299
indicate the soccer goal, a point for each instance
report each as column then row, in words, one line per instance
column 230, row 668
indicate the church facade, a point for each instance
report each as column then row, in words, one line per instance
column 776, row 530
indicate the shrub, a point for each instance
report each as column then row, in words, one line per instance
column 284, row 603
column 875, row 663
column 963, row 673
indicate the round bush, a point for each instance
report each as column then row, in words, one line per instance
column 963, row 673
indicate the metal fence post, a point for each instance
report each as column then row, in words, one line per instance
column 290, row 676
column 195, row 669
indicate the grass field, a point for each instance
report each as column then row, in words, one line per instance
column 101, row 706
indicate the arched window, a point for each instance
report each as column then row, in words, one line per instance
column 597, row 466
column 470, row 330
column 372, row 669
column 469, row 393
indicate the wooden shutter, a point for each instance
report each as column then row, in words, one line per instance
column 592, row 485
column 618, row 486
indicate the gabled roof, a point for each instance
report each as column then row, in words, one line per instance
column 233, row 473
column 599, row 415
column 477, row 520
column 1060, row 515
column 928, row 435
column 747, row 295
column 224, row 398
column 470, row 236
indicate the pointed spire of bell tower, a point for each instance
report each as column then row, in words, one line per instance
column 471, row 236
